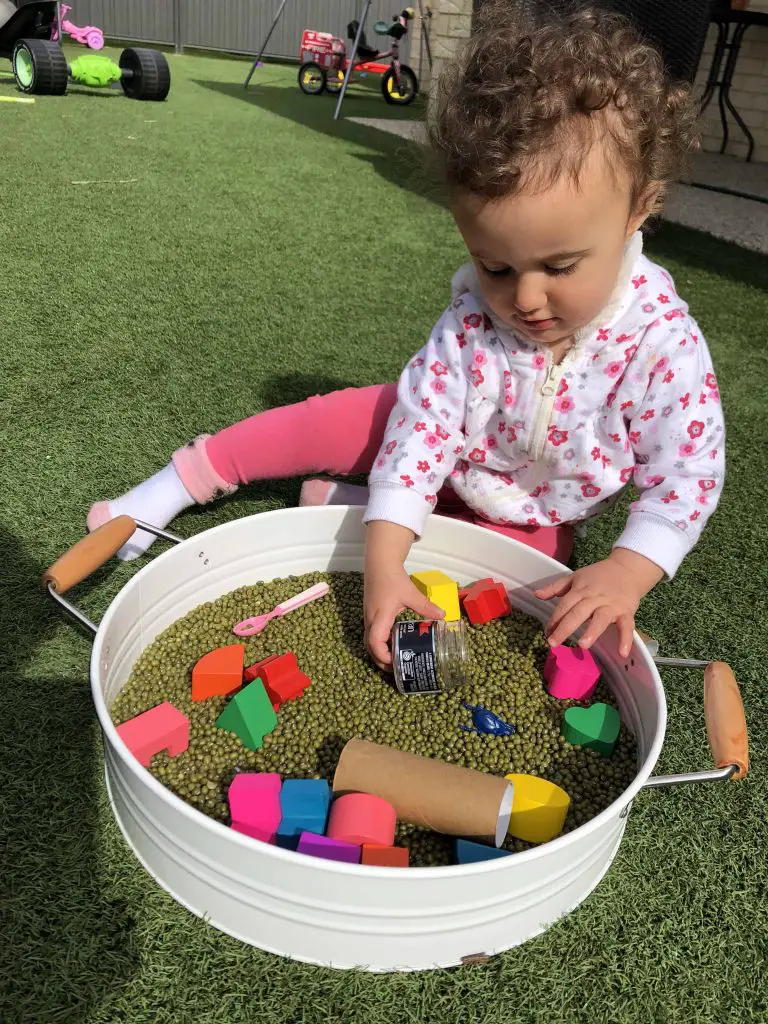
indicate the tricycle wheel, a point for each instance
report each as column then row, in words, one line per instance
column 312, row 78
column 403, row 92
column 334, row 81
column 146, row 75
column 40, row 66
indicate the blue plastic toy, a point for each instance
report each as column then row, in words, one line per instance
column 468, row 852
column 304, row 804
column 484, row 722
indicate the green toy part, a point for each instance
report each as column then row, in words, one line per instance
column 249, row 715
column 596, row 727
column 25, row 71
column 94, row 70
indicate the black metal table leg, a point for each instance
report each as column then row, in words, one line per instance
column 725, row 90
column 714, row 68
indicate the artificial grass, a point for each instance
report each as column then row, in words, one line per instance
column 262, row 254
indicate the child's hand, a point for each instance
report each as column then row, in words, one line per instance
column 387, row 593
column 599, row 594
column 388, row 587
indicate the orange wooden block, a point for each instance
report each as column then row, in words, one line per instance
column 385, row 856
column 219, row 672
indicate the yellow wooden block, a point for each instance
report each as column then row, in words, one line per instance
column 538, row 809
column 440, row 590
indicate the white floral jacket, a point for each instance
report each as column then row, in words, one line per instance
column 524, row 441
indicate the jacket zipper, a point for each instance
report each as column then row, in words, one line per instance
column 548, row 392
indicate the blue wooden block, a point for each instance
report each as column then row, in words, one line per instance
column 305, row 804
column 468, row 852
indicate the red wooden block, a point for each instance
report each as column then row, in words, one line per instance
column 463, row 591
column 486, row 600
column 218, row 673
column 385, row 856
column 282, row 678
column 161, row 728
column 254, row 671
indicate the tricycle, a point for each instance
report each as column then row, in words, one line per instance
column 88, row 35
column 324, row 60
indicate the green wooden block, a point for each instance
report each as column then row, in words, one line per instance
column 596, row 727
column 249, row 715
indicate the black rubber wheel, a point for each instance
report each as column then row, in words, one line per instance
column 407, row 90
column 150, row 76
column 40, row 66
column 312, row 78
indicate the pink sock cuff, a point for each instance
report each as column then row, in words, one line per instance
column 197, row 474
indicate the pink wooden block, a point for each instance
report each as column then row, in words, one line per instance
column 254, row 804
column 571, row 673
column 161, row 728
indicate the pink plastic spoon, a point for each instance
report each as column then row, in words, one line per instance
column 250, row 627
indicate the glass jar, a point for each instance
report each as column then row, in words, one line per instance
column 429, row 656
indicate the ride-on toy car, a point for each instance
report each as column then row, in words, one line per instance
column 40, row 66
column 324, row 61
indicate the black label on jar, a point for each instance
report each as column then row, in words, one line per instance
column 415, row 657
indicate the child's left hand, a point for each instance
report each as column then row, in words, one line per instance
column 599, row 594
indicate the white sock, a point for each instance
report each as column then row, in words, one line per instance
column 157, row 501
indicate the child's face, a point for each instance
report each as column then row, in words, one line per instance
column 547, row 263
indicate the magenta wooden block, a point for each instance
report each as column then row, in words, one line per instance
column 254, row 804
column 571, row 673
column 329, row 849
column 161, row 728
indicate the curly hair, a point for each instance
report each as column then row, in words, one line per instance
column 529, row 97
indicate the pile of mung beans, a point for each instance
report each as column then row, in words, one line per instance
column 349, row 697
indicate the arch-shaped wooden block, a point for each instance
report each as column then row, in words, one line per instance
column 161, row 728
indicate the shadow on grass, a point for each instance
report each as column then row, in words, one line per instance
column 398, row 160
column 701, row 251
column 66, row 945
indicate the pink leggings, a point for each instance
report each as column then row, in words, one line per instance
column 340, row 434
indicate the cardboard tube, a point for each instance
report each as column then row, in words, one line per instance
column 443, row 797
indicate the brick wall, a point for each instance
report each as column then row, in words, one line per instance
column 449, row 24
column 749, row 93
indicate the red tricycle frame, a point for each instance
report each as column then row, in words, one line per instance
column 324, row 60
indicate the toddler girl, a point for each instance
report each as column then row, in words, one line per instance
column 565, row 367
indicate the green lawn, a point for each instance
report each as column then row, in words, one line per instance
column 237, row 251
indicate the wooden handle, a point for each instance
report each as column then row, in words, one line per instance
column 89, row 554
column 724, row 714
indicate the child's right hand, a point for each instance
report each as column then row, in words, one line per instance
column 389, row 589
